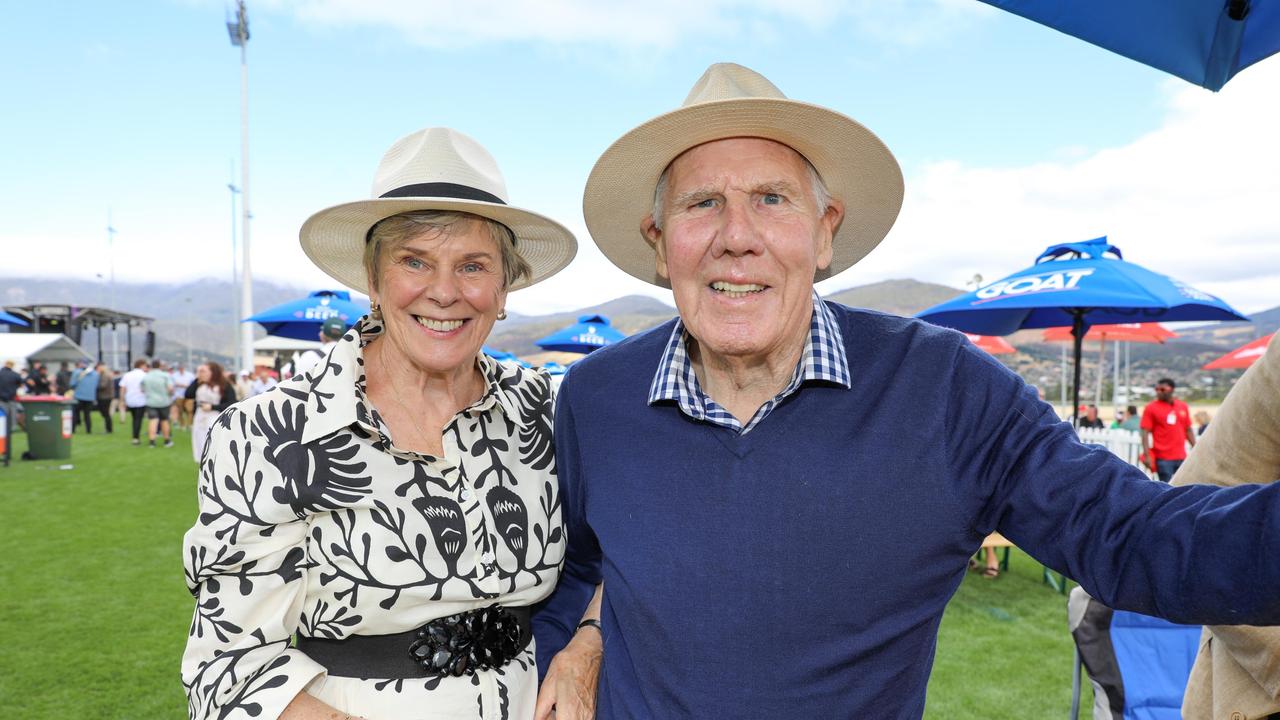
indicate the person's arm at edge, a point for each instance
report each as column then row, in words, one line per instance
column 1133, row 544
column 1242, row 445
column 556, row 618
column 569, row 689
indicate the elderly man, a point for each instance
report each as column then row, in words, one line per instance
column 726, row 476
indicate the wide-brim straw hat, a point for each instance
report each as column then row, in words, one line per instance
column 433, row 169
column 733, row 101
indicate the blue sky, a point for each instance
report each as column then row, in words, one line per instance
column 1011, row 136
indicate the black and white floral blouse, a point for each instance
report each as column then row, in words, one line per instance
column 313, row 521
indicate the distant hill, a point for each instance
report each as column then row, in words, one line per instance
column 899, row 297
column 205, row 308
column 1233, row 334
column 630, row 314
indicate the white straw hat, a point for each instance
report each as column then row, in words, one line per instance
column 433, row 169
column 733, row 101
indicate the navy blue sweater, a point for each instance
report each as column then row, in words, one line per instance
column 801, row 570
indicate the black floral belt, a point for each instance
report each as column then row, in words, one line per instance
column 456, row 645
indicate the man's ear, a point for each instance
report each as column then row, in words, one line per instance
column 828, row 224
column 654, row 237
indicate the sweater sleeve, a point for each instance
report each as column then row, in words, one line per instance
column 246, row 564
column 555, row 618
column 1189, row 554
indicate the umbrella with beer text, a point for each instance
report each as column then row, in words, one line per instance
column 589, row 334
column 1077, row 285
column 301, row 319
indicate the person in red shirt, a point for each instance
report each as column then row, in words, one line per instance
column 1165, row 430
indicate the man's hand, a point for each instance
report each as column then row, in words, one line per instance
column 569, row 689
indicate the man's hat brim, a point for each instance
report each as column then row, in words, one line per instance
column 855, row 165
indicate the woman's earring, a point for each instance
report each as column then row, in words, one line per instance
column 502, row 314
column 375, row 312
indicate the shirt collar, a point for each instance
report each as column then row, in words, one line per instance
column 334, row 390
column 823, row 359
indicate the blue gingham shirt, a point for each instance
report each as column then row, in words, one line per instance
column 823, row 360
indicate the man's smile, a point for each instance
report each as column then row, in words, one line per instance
column 736, row 290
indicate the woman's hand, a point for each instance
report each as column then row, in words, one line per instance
column 307, row 707
column 569, row 689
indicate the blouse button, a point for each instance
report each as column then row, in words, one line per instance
column 466, row 493
column 487, row 558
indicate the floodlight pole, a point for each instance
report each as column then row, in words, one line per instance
column 239, row 31
column 235, row 273
column 188, row 302
column 111, row 264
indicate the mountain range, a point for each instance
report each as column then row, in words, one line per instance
column 202, row 311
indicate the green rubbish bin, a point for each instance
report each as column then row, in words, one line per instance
column 48, row 426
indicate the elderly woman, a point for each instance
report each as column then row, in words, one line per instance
column 395, row 508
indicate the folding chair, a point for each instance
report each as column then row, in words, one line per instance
column 1138, row 664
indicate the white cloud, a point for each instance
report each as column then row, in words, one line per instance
column 1195, row 199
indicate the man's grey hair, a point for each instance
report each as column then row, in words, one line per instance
column 392, row 233
column 821, row 195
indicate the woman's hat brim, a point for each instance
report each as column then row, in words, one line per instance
column 855, row 165
column 334, row 238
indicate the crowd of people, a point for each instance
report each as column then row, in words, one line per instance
column 154, row 397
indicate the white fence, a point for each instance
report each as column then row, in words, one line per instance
column 1124, row 443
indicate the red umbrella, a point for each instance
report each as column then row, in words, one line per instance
column 1241, row 357
column 1147, row 332
column 992, row 343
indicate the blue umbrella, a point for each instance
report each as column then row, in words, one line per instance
column 13, row 320
column 1077, row 285
column 503, row 356
column 1205, row 42
column 301, row 319
column 590, row 333
column 497, row 354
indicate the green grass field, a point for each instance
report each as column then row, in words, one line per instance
column 94, row 612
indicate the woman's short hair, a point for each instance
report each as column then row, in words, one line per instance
column 392, row 233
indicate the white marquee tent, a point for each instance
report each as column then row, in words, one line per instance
column 23, row 348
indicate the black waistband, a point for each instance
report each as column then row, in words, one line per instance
column 386, row 657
